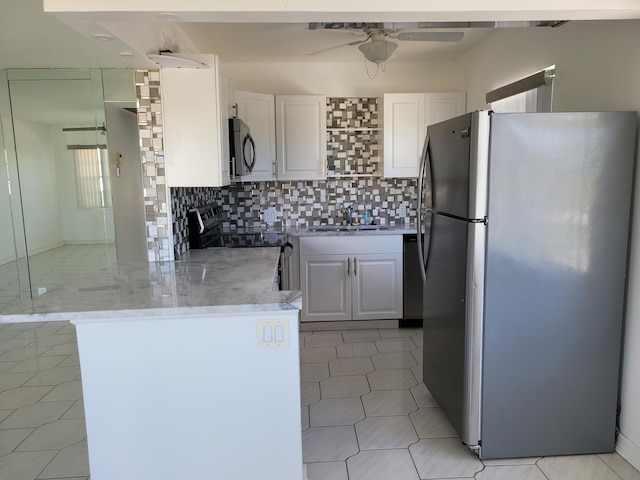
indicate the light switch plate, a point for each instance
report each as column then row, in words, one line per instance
column 273, row 333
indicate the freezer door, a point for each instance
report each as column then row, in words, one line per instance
column 559, row 209
column 449, row 165
column 458, row 163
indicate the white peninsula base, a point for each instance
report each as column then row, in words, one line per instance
column 192, row 397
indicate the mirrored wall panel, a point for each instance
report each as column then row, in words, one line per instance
column 59, row 181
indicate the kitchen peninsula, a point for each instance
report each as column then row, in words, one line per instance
column 198, row 341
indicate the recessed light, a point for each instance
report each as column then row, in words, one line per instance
column 167, row 17
column 102, row 37
column 127, row 54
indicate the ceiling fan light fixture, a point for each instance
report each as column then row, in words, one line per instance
column 377, row 51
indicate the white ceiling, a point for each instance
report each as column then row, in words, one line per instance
column 293, row 42
column 30, row 38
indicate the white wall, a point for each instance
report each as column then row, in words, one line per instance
column 597, row 68
column 7, row 245
column 346, row 79
column 39, row 187
column 597, row 64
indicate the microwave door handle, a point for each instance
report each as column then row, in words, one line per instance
column 249, row 163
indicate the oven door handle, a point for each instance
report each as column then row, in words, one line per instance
column 287, row 250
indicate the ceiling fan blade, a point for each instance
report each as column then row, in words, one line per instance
column 350, row 44
column 430, row 36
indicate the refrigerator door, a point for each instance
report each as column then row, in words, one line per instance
column 452, row 320
column 559, row 209
column 454, row 257
column 444, row 315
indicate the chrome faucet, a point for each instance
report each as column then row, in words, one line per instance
column 349, row 212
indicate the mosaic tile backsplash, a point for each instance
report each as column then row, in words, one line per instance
column 353, row 162
column 299, row 204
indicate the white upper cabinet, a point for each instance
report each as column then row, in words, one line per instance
column 405, row 119
column 301, row 146
column 196, row 106
column 257, row 110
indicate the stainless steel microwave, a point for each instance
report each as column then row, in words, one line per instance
column 242, row 148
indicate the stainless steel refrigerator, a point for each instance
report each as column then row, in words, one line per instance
column 526, row 220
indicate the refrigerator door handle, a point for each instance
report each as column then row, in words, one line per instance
column 421, row 209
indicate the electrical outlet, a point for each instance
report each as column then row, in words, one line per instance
column 273, row 333
column 270, row 215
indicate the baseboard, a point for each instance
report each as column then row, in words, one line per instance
column 628, row 450
column 36, row 251
column 347, row 325
column 99, row 241
column 46, row 248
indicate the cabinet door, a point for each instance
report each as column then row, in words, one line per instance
column 326, row 287
column 377, row 286
column 405, row 119
column 301, row 145
column 258, row 111
column 404, row 131
column 194, row 108
column 443, row 106
column 225, row 100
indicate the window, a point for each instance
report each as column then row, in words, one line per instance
column 531, row 94
column 92, row 177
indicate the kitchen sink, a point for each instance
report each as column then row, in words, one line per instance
column 345, row 228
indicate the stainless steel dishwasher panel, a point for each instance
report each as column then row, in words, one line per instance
column 412, row 281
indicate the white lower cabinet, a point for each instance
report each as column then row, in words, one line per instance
column 351, row 278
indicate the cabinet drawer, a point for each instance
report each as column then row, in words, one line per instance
column 345, row 244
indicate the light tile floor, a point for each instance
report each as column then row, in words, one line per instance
column 366, row 416
column 51, row 268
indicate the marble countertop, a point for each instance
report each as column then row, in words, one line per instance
column 390, row 230
column 213, row 281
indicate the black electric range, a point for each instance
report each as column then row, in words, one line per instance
column 205, row 231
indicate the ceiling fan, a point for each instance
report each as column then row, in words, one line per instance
column 377, row 47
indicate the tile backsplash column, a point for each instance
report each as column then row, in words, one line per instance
column 391, row 201
column 152, row 157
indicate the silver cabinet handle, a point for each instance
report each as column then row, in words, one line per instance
column 355, row 266
column 348, row 267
